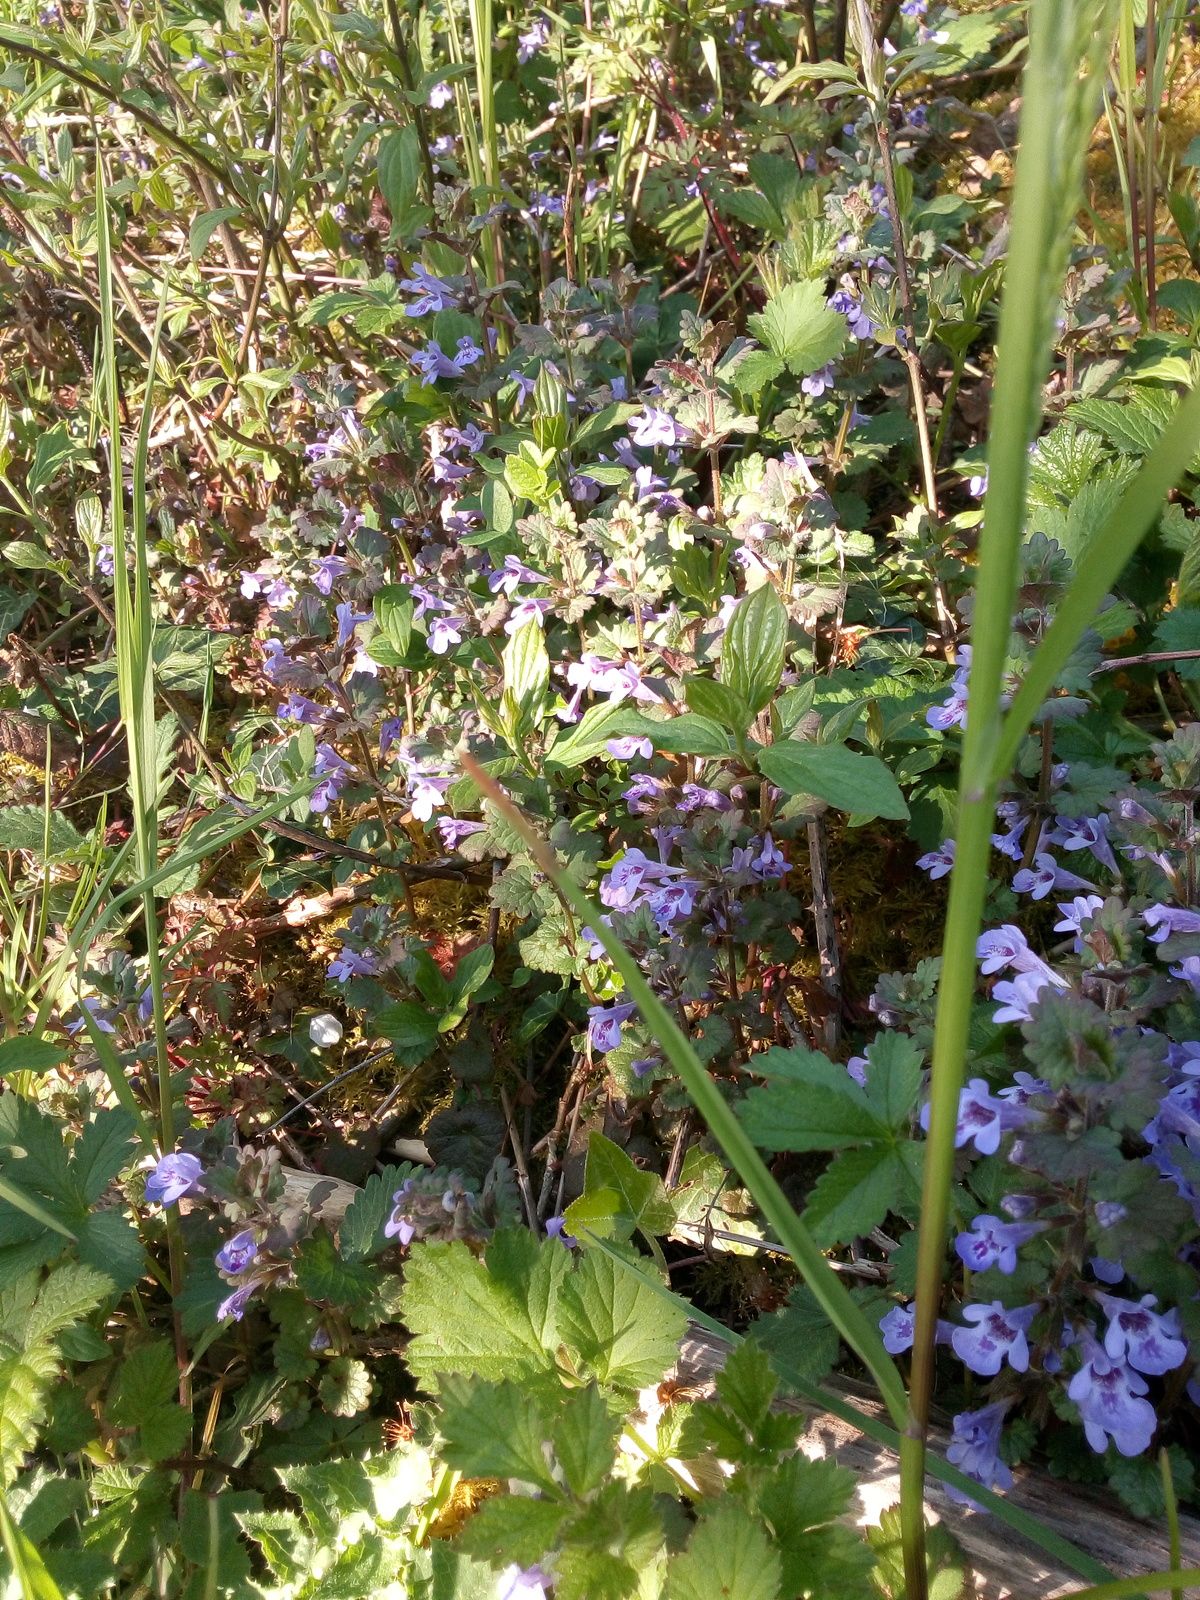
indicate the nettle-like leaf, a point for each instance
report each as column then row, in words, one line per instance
column 33, row 1314
column 144, row 1396
column 494, row 1317
column 620, row 1329
column 809, row 1103
column 728, row 1554
column 799, row 329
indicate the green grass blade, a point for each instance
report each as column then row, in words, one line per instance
column 28, row 1567
column 1151, row 1583
column 1067, row 44
column 831, row 1294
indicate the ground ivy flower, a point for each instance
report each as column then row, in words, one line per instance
column 898, row 1327
column 605, row 1023
column 1018, row 997
column 980, row 1118
column 332, row 774
column 523, row 1583
column 1165, row 921
column 1086, row 833
column 236, row 1254
column 1046, row 874
column 937, row 863
column 1108, row 1394
column 431, row 294
column 174, row 1175
column 444, row 633
column 440, row 95
column 999, row 1335
column 630, row 745
column 1147, row 1339
column 653, row 428
column 992, row 1243
column 234, row 1306
column 454, row 830
column 975, row 1447
column 556, row 1229
column 1074, row 913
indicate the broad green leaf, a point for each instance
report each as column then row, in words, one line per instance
column 753, row 652
column 102, row 1149
column 799, row 328
column 857, row 1191
column 842, row 778
column 616, row 1325
column 895, row 1072
column 800, row 1336
column 27, row 1054
column 23, row 828
column 756, row 370
column 493, row 1318
column 324, row 1275
column 512, row 1528
column 729, row 1557
column 716, row 702
column 69, row 1293
column 496, row 1430
column 399, row 174
column 643, row 1199
column 808, row 1103
column 584, row 1440
column 527, row 667
column 408, row 1024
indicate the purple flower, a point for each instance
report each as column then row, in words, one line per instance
column 528, row 44
column 859, row 323
column 400, row 1224
column 466, row 354
column 1166, row 921
column 523, row 1583
column 1110, row 1272
column 1018, row 997
column 643, row 1067
column 347, row 621
column 1107, row 1393
column 1189, row 970
column 427, row 794
column 431, row 363
column 1086, row 833
column 431, row 293
column 1005, row 946
column 350, row 963
column 513, row 572
column 604, row 1025
column 1076, row 912
column 445, row 632
column 236, row 1254
column 977, row 485
column 1044, row 875
column 235, row 1304
column 1149, row 1340
column 992, row 1243
column 556, row 1229
column 937, row 863
column 454, row 831
column 979, row 1118
column 898, row 1328
column 326, row 572
column 332, row 774
column 440, row 95
column 632, row 744
column 997, row 1335
column 817, row 382
column 1110, row 1212
column 899, row 1325
column 98, row 1014
column 175, row 1175
column 975, row 1447
column 770, row 862
column 527, row 610
column 652, row 428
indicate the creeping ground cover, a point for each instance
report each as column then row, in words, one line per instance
column 600, row 738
